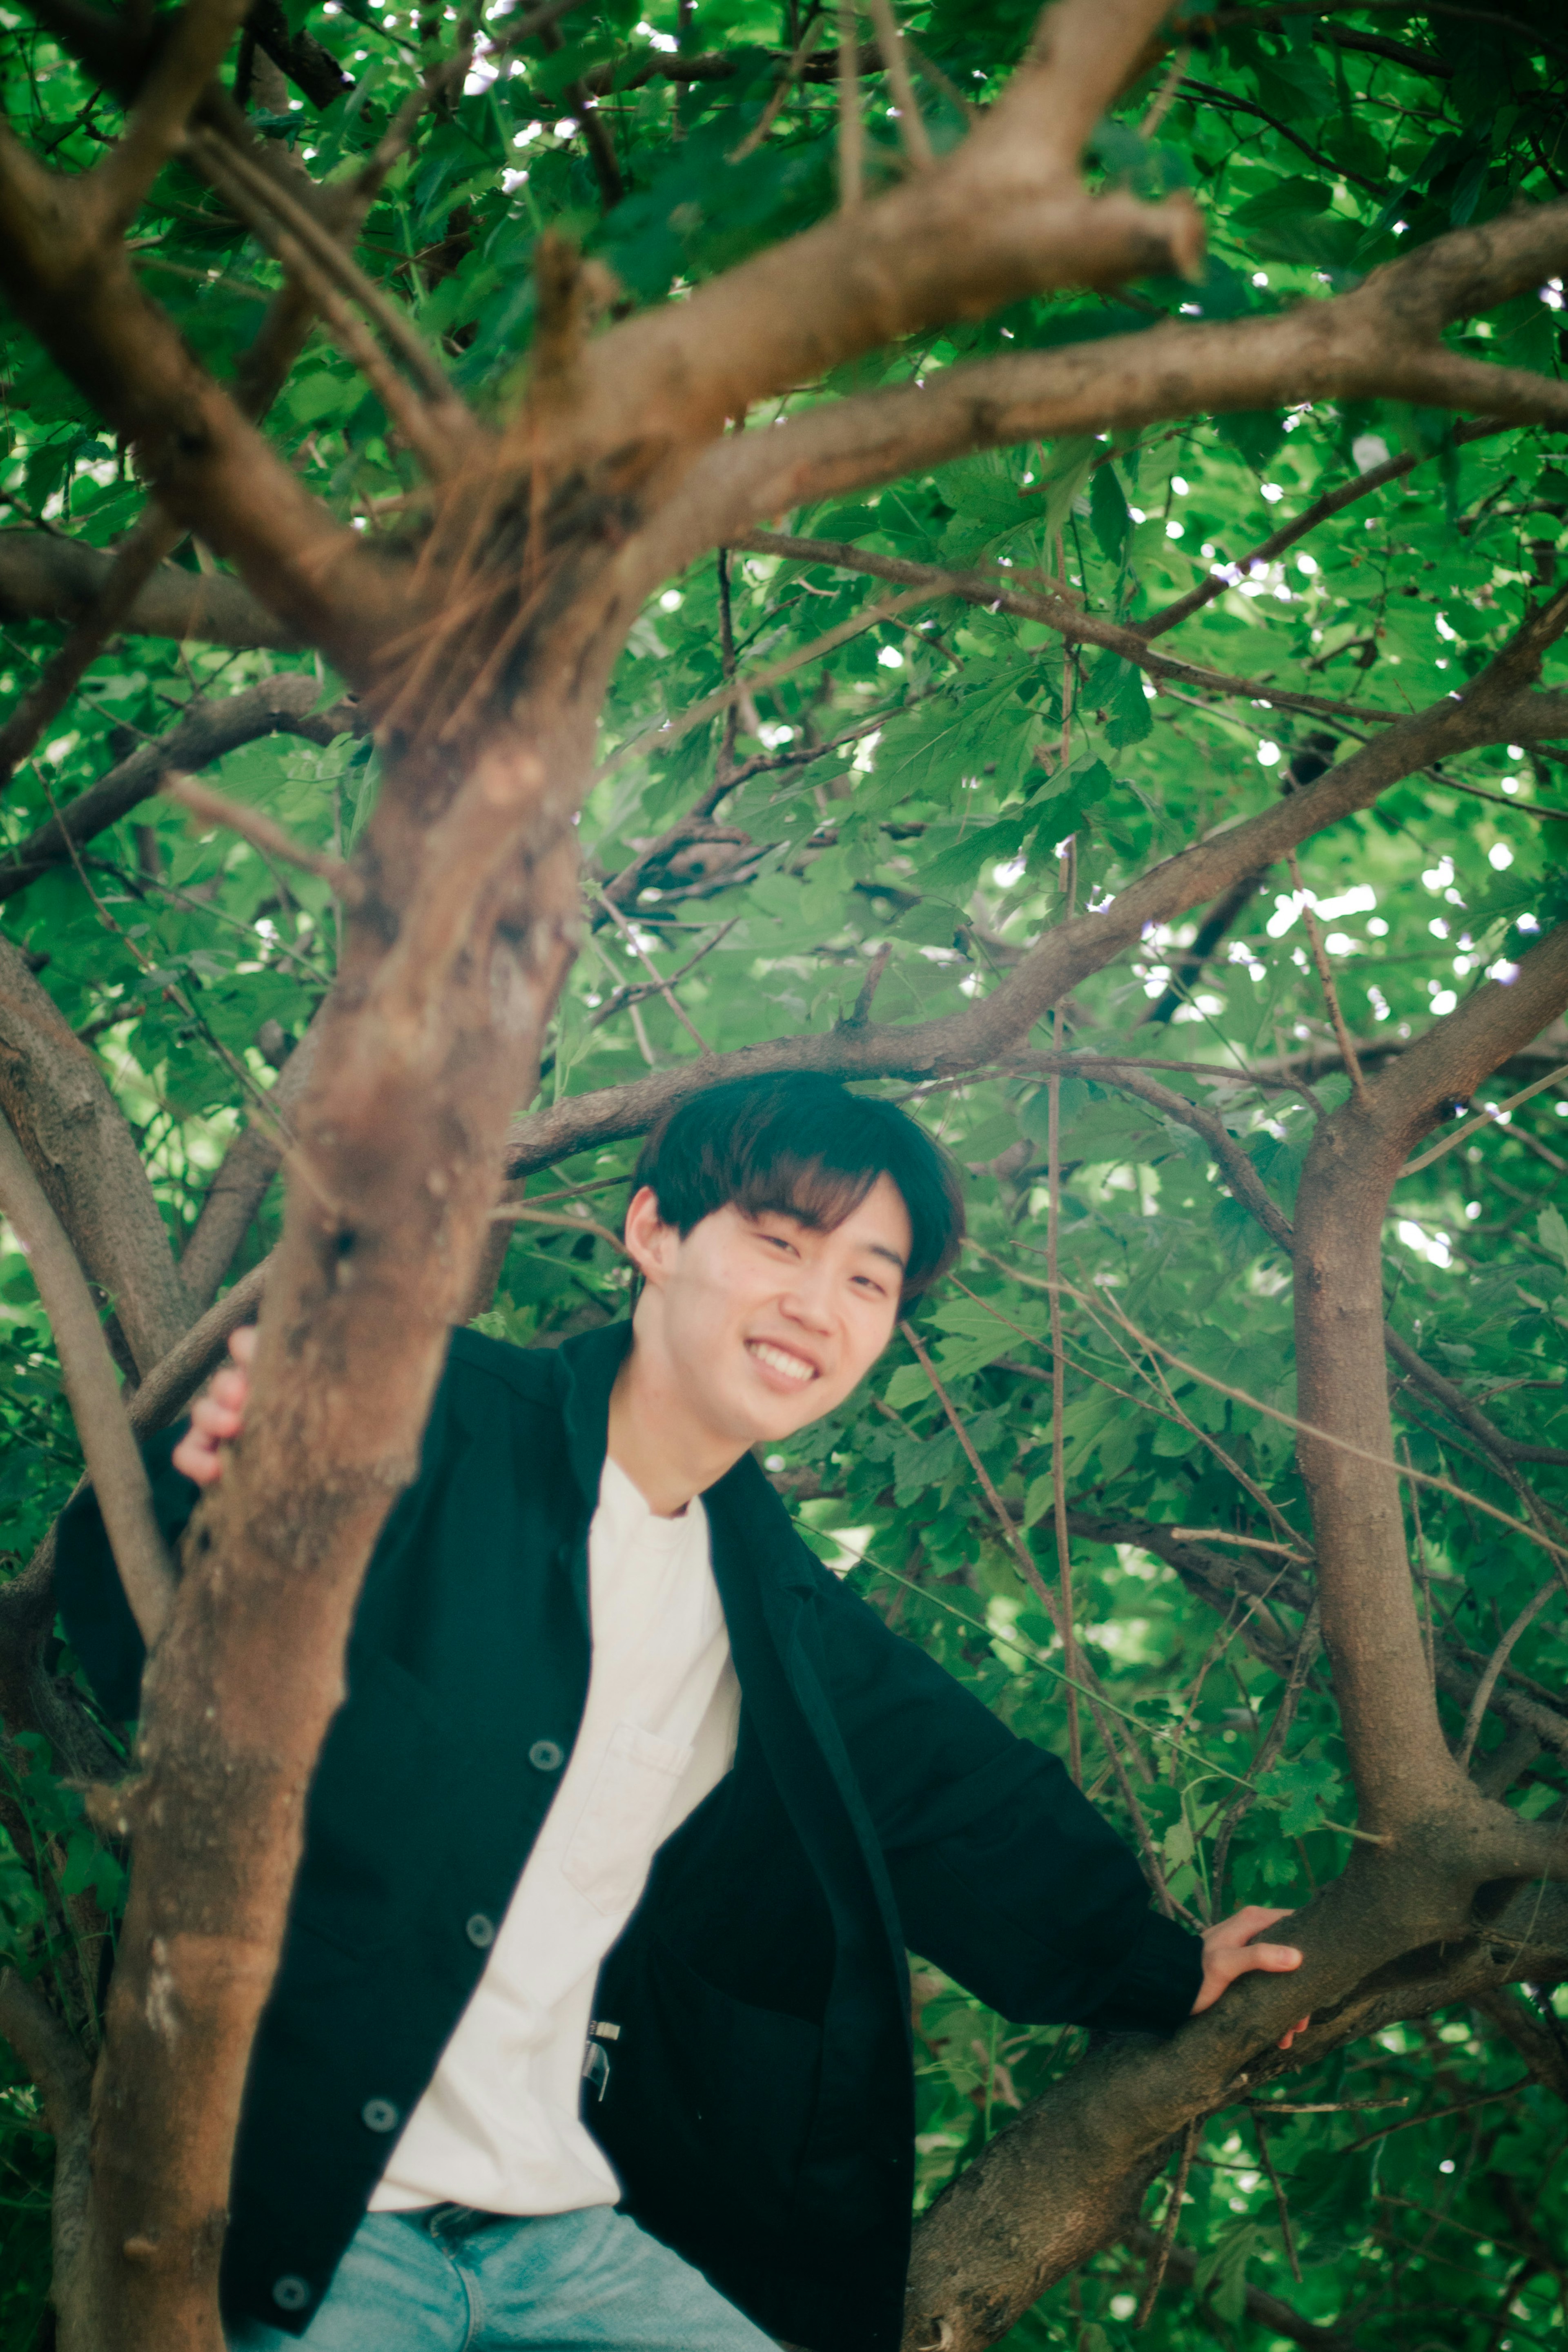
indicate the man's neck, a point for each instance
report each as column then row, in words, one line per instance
column 668, row 1457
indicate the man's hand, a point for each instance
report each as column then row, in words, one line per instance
column 1229, row 1953
column 218, row 1415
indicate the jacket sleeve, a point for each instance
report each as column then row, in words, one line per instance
column 87, row 1592
column 1003, row 1872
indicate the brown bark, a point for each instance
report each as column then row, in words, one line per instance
column 45, row 577
column 1403, row 1770
column 84, row 1157
column 114, row 1464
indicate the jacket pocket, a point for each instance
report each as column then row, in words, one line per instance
column 612, row 1846
column 710, row 2100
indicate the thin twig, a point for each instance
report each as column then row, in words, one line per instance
column 1286, row 536
column 1161, row 2258
column 1327, row 1437
column 1049, row 1602
column 1281, row 2206
column 1422, row 1577
column 669, row 731
column 1011, row 591
column 771, row 112
column 1347, row 1049
column 1470, row 1127
column 655, row 975
column 1498, row 1660
column 852, row 129
column 260, row 830
column 1058, row 1397
column 911, row 123
column 328, row 255
column 520, row 1212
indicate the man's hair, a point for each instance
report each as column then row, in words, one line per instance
column 804, row 1145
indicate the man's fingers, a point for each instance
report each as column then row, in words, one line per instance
column 197, row 1459
column 242, row 1343
column 1272, row 1955
column 212, row 1418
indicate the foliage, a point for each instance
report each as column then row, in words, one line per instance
column 922, row 801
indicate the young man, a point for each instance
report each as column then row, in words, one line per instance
column 592, row 2026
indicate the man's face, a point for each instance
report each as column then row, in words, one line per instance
column 762, row 1324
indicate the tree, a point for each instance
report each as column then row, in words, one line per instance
column 287, row 389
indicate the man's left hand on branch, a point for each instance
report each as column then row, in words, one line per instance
column 1228, row 1952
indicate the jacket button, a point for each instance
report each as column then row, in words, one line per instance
column 480, row 1931
column 290, row 2293
column 546, row 1756
column 377, row 2115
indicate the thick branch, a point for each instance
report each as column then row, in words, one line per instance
column 44, row 578
column 283, row 705
column 86, row 1158
column 1003, row 215
column 1399, row 1756
column 209, row 466
column 113, row 1463
column 1378, row 340
column 1496, row 708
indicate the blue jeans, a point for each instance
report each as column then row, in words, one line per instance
column 444, row 2280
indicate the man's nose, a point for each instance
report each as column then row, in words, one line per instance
column 809, row 1300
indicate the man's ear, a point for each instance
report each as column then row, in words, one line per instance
column 650, row 1242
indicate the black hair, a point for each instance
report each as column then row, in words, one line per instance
column 802, row 1144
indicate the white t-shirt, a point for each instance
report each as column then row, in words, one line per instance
column 499, row 2129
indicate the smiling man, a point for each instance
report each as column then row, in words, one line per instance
column 591, row 2025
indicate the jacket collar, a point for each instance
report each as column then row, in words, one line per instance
column 586, row 1370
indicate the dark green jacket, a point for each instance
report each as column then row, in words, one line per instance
column 760, row 2108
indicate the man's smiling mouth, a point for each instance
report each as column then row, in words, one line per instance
column 780, row 1360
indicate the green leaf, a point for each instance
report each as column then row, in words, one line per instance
column 1108, row 514
column 1117, row 686
column 1300, row 1789
column 1552, row 1230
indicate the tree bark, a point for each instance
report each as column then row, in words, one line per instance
column 84, row 1156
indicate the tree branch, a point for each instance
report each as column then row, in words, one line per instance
column 997, row 593
column 183, row 63
column 207, row 731
column 1004, row 214
column 205, row 462
column 114, row 1464
column 77, row 1143
column 1401, row 1761
column 1378, row 340
column 1333, row 502
column 1497, row 708
column 1544, row 2052
column 44, row 578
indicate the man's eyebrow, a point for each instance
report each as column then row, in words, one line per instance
column 880, row 1249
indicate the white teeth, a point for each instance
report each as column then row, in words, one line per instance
column 777, row 1361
